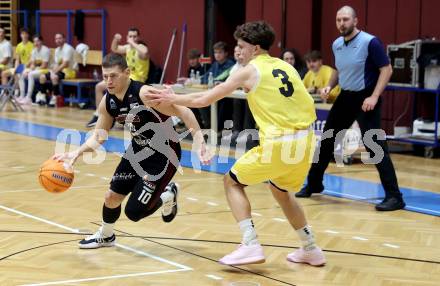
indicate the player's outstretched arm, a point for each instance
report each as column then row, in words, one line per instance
column 241, row 78
column 100, row 135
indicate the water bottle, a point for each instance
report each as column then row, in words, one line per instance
column 95, row 75
column 210, row 80
column 198, row 79
column 192, row 76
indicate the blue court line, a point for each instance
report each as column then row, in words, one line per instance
column 416, row 200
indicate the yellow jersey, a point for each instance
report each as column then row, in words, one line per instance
column 138, row 67
column 279, row 102
column 321, row 80
column 24, row 52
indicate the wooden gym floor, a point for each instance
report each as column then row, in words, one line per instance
column 39, row 231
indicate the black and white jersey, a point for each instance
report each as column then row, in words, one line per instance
column 142, row 122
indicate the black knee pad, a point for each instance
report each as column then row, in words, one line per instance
column 143, row 201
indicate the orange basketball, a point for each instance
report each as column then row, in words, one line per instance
column 54, row 177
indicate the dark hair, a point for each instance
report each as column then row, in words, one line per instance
column 256, row 33
column 39, row 37
column 133, row 29
column 24, row 30
column 112, row 59
column 313, row 56
column 194, row 54
column 299, row 62
column 220, row 46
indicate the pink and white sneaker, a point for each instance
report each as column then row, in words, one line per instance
column 244, row 254
column 313, row 257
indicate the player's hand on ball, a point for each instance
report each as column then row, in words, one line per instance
column 68, row 157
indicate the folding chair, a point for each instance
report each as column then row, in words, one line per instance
column 7, row 91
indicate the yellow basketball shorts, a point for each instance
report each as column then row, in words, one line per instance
column 284, row 161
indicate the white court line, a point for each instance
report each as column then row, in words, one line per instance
column 183, row 267
column 391, row 245
column 180, row 266
column 41, row 189
column 345, row 195
column 106, row 277
column 76, row 171
column 256, row 214
column 105, row 178
column 212, row 204
column 359, row 238
column 279, row 219
column 191, row 199
column 18, row 167
column 39, row 219
column 90, row 175
column 331, row 231
column 215, row 277
column 421, row 209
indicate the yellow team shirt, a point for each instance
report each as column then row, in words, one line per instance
column 321, row 80
column 138, row 67
column 279, row 102
column 24, row 52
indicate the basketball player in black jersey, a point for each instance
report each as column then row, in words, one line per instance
column 151, row 159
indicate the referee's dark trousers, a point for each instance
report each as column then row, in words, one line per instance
column 346, row 109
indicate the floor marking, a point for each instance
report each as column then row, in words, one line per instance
column 212, row 204
column 39, row 219
column 105, row 178
column 180, row 266
column 279, row 219
column 391, row 245
column 41, row 189
column 90, row 175
column 359, row 238
column 213, row 277
column 106, row 277
column 256, row 214
column 331, row 231
column 345, row 195
column 191, row 199
column 18, row 167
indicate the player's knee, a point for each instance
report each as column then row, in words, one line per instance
column 112, row 199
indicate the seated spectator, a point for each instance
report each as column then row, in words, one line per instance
column 22, row 57
column 138, row 60
column 5, row 52
column 63, row 68
column 38, row 65
column 193, row 62
column 292, row 57
column 319, row 76
column 222, row 64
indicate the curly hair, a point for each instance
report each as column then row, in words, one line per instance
column 256, row 33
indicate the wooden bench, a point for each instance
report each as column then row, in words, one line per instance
column 94, row 58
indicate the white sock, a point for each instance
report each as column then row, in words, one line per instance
column 307, row 238
column 95, row 113
column 248, row 230
column 107, row 229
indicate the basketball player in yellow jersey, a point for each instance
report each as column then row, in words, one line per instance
column 138, row 60
column 284, row 111
column 23, row 53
